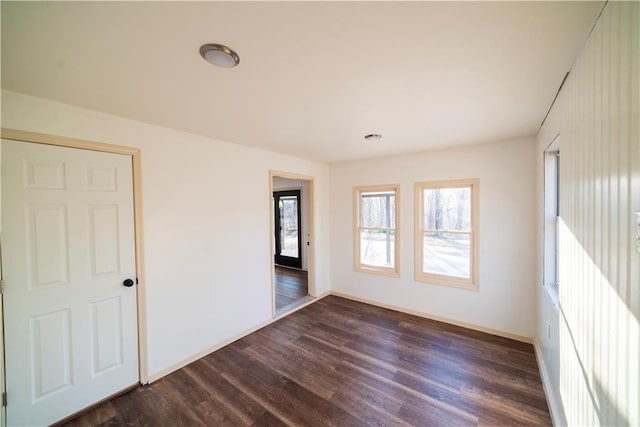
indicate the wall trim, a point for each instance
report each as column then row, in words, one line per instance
column 168, row 370
column 475, row 327
column 554, row 407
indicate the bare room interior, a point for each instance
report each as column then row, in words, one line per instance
column 320, row 213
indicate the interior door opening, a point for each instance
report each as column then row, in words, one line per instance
column 291, row 225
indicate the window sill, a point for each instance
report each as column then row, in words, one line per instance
column 451, row 282
column 552, row 292
column 381, row 271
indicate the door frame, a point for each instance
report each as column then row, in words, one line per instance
column 39, row 138
column 277, row 222
column 311, row 282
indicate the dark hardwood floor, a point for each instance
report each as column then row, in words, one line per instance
column 291, row 286
column 343, row 363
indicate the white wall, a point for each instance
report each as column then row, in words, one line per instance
column 206, row 224
column 280, row 184
column 591, row 362
column 506, row 293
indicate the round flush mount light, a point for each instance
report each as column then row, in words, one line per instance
column 219, row 55
column 372, row 137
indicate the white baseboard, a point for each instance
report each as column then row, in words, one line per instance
column 499, row 333
column 554, row 409
column 166, row 371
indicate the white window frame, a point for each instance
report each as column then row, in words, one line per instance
column 551, row 217
column 470, row 283
column 357, row 264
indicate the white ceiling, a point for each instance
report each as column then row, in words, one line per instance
column 314, row 77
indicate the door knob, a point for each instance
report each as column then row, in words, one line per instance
column 128, row 283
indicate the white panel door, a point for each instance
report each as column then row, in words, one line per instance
column 67, row 248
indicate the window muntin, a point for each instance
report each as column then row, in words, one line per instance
column 376, row 238
column 447, row 233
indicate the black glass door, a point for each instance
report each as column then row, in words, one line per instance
column 287, row 228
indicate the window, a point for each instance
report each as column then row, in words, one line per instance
column 447, row 233
column 551, row 213
column 376, row 229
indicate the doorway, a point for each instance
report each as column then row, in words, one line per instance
column 72, row 274
column 292, row 249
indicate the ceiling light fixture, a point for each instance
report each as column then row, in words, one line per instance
column 373, row 137
column 219, row 55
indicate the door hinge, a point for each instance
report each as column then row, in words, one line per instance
column 1, row 286
column 4, row 399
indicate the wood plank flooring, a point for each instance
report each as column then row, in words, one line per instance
column 291, row 286
column 343, row 363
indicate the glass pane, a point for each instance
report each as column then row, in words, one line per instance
column 377, row 248
column 289, row 226
column 447, row 209
column 378, row 209
column 448, row 254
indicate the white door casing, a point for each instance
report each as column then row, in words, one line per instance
column 68, row 244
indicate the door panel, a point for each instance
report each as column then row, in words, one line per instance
column 51, row 353
column 288, row 228
column 106, row 331
column 46, row 234
column 103, row 225
column 68, row 245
